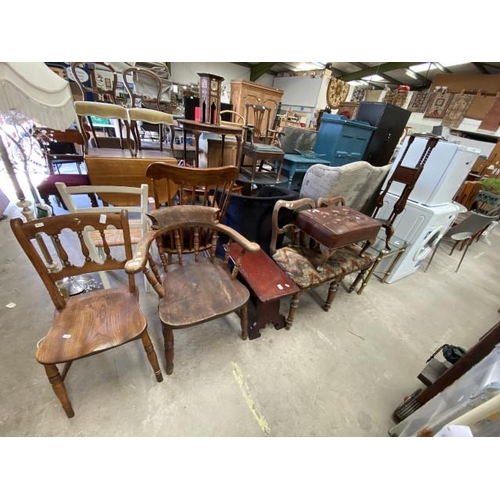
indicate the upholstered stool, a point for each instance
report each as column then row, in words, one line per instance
column 48, row 187
column 334, row 227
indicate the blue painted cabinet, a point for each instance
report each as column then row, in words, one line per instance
column 341, row 140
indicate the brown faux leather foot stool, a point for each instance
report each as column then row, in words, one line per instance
column 335, row 227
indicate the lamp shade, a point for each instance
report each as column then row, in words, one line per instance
column 33, row 89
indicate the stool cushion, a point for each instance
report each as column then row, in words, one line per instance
column 337, row 226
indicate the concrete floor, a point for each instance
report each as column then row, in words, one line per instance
column 340, row 373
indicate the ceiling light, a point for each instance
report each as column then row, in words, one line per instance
column 449, row 64
column 420, row 68
column 411, row 74
column 373, row 78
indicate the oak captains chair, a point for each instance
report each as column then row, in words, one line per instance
column 195, row 285
column 89, row 323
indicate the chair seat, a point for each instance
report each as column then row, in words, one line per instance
column 48, row 185
column 92, row 322
column 199, row 291
column 114, row 237
column 263, row 148
column 299, row 263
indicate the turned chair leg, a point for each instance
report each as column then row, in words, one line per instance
column 59, row 388
column 168, row 338
column 151, row 354
column 332, row 290
column 294, row 304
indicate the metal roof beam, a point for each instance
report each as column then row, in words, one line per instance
column 376, row 70
column 481, row 67
column 260, row 69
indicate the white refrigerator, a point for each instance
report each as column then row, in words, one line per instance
column 446, row 169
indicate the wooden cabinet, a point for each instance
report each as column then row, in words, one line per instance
column 245, row 92
column 342, row 141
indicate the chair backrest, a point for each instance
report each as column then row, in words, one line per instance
column 60, row 145
column 102, row 88
column 200, row 186
column 128, row 171
column 258, row 120
column 358, row 182
column 144, row 88
column 114, row 198
column 232, row 118
column 65, row 241
column 407, row 176
column 473, row 223
column 85, row 110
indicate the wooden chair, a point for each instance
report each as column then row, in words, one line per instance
column 195, row 285
column 60, row 147
column 115, row 199
column 407, row 176
column 260, row 146
column 147, row 107
column 86, row 110
column 203, row 186
column 304, row 261
column 140, row 118
column 99, row 90
column 89, row 323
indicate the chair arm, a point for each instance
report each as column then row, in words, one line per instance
column 140, row 260
column 236, row 237
column 324, row 201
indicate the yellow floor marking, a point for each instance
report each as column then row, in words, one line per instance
column 261, row 420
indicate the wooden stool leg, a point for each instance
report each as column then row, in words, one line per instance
column 168, row 338
column 150, row 352
column 59, row 389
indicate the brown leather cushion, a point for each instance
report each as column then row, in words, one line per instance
column 335, row 227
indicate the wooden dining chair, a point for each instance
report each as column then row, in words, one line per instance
column 260, row 144
column 85, row 110
column 194, row 283
column 88, row 323
column 113, row 199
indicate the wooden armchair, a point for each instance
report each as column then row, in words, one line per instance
column 307, row 262
column 89, row 323
column 195, row 284
column 260, row 145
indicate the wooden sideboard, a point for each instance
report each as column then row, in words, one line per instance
column 245, row 92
